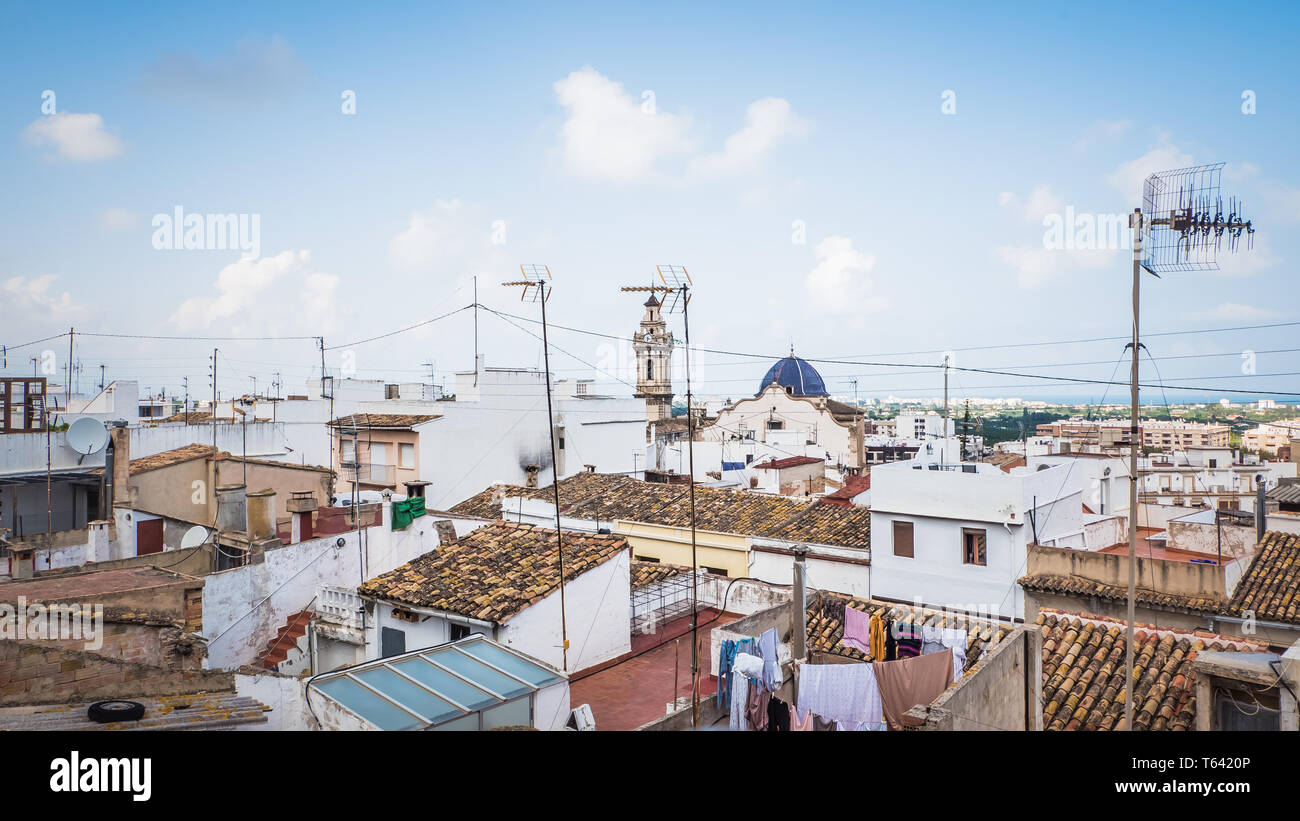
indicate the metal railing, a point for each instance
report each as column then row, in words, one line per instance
column 339, row 605
column 369, row 473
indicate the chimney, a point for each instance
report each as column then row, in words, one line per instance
column 120, row 435
column 231, row 505
column 415, row 488
column 530, row 474
column 260, row 507
column 302, row 504
column 97, row 542
column 1261, row 508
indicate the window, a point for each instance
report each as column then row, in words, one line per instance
column 391, row 642
column 774, row 424
column 406, row 455
column 378, row 454
column 459, row 631
column 649, row 369
column 349, row 450
column 974, row 546
column 717, row 571
column 903, row 540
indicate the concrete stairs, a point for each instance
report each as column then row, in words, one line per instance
column 288, row 651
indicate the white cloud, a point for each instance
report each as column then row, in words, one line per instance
column 1040, row 202
column 1102, row 131
column 1232, row 311
column 612, row 136
column 767, row 122
column 429, row 236
column 840, row 283
column 1036, row 266
column 34, row 299
column 259, row 295
column 118, row 219
column 1129, row 176
column 76, row 137
column 608, row 135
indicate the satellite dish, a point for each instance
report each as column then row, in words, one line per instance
column 87, row 435
column 194, row 537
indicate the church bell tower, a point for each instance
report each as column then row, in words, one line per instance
column 654, row 348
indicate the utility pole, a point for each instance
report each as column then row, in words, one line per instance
column 72, row 332
column 101, row 377
column 536, row 282
column 476, row 330
column 1182, row 220
column 185, row 409
column 945, row 396
column 214, row 399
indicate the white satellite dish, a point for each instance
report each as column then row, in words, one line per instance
column 194, row 537
column 87, row 435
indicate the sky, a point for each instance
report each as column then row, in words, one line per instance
column 851, row 181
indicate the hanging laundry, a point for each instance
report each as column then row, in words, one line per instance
column 840, row 692
column 931, row 639
column 910, row 681
column 891, row 642
column 726, row 659
column 778, row 716
column 800, row 725
column 756, row 706
column 739, row 701
column 767, row 648
column 857, row 630
column 908, row 637
column 822, row 725
column 751, row 666
column 877, row 637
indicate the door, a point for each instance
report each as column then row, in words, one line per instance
column 148, row 536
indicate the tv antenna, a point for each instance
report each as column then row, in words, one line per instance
column 1180, row 227
column 536, row 284
column 675, row 289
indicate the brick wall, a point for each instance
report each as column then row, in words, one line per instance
column 40, row 672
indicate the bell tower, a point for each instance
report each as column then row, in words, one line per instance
column 654, row 348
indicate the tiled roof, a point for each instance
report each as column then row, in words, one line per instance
column 1271, row 587
column 1083, row 675
column 1079, row 586
column 383, row 420
column 200, row 711
column 194, row 416
column 645, row 574
column 494, row 572
column 826, row 625
column 171, row 457
column 853, row 486
column 789, row 462
column 606, row 497
column 1286, row 494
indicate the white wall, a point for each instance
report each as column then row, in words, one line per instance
column 285, row 695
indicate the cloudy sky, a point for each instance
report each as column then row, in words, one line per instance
column 860, row 183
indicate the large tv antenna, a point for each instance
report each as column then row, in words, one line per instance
column 1182, row 225
column 676, row 292
column 536, row 284
column 1185, row 220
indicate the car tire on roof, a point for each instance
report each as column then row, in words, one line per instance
column 104, row 712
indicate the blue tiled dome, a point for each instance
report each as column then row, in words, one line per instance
column 796, row 376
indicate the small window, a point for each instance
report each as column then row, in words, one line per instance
column 974, row 546
column 349, row 450
column 459, row 631
column 717, row 571
column 774, row 424
column 406, row 455
column 391, row 642
column 650, row 559
column 903, row 540
column 649, row 369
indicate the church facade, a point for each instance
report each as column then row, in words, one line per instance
column 653, row 344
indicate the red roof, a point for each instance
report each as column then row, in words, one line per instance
column 791, row 462
column 853, row 485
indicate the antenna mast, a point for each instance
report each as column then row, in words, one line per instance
column 536, row 284
column 1183, row 225
column 676, row 290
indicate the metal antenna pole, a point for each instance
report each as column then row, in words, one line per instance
column 1181, row 224
column 676, row 290
column 536, row 281
column 1134, row 439
column 214, row 399
column 945, row 396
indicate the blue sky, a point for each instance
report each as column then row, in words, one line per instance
column 922, row 231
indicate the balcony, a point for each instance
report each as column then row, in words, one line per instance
column 368, row 473
column 339, row 606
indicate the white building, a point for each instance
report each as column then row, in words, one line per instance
column 954, row 534
column 502, row 581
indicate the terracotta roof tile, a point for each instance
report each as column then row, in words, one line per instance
column 383, row 420
column 494, row 572
column 1271, row 587
column 1079, row 586
column 645, row 574
column 1083, row 675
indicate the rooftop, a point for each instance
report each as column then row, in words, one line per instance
column 202, row 711
column 789, row 462
column 436, row 685
column 494, row 572
column 1271, row 586
column 645, row 574
column 87, row 585
column 392, row 421
column 853, row 486
column 1083, row 663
